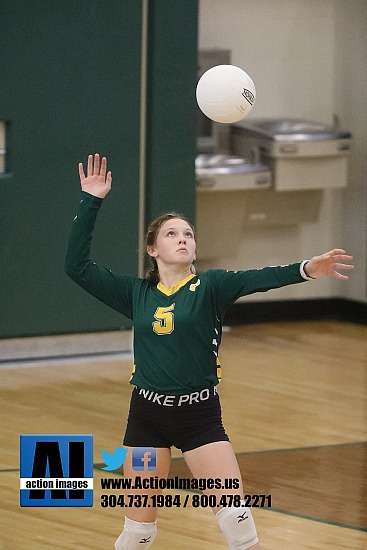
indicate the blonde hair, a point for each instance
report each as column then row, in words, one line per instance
column 152, row 275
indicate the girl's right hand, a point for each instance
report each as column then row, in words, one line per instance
column 97, row 182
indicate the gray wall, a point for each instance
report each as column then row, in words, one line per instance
column 307, row 59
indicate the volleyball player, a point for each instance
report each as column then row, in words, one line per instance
column 177, row 318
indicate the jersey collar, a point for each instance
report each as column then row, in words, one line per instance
column 170, row 291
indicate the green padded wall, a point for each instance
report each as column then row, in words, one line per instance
column 70, row 85
column 172, row 111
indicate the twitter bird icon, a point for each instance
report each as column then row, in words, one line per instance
column 114, row 460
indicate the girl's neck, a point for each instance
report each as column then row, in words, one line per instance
column 171, row 278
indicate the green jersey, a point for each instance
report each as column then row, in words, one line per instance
column 177, row 331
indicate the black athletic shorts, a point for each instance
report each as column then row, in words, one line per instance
column 185, row 421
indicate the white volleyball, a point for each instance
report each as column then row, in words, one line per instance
column 225, row 93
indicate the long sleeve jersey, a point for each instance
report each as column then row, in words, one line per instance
column 177, row 331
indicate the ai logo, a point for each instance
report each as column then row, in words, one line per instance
column 56, row 470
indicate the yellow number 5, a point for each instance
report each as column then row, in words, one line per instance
column 165, row 322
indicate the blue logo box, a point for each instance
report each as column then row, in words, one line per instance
column 56, row 470
column 144, row 459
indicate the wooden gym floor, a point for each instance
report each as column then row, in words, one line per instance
column 294, row 400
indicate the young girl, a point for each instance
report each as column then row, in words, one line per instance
column 177, row 318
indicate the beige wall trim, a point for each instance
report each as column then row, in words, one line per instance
column 18, row 349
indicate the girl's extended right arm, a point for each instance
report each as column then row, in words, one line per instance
column 112, row 289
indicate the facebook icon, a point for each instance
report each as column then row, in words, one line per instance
column 144, row 459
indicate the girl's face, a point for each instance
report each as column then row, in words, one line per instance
column 175, row 244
